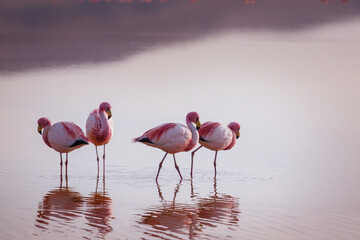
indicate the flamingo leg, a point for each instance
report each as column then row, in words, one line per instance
column 177, row 188
column 97, row 157
column 104, row 169
column 97, row 183
column 176, row 166
column 215, row 163
column 104, row 185
column 104, row 162
column 192, row 160
column 159, row 191
column 61, row 164
column 66, row 164
column 160, row 165
column 192, row 188
column 104, row 153
column 61, row 167
column 215, row 190
column 61, row 180
column 66, row 180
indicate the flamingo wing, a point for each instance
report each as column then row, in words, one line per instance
column 155, row 134
column 93, row 123
column 207, row 129
column 170, row 137
column 215, row 136
column 66, row 136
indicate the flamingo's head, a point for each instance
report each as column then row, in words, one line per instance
column 235, row 127
column 194, row 117
column 42, row 123
column 105, row 106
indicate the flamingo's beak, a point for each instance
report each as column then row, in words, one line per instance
column 237, row 134
column 198, row 125
column 109, row 114
column 39, row 129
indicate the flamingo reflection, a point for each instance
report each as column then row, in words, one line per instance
column 60, row 206
column 218, row 208
column 172, row 219
column 98, row 211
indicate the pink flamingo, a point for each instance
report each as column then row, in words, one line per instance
column 173, row 138
column 63, row 137
column 99, row 127
column 216, row 137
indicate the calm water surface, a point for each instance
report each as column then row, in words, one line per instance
column 293, row 173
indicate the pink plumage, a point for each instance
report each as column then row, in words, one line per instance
column 73, row 130
column 63, row 137
column 99, row 127
column 208, row 128
column 216, row 137
column 156, row 133
column 173, row 137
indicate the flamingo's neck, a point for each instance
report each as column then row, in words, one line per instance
column 194, row 132
column 45, row 135
column 104, row 121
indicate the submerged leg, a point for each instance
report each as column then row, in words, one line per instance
column 66, row 181
column 215, row 163
column 61, row 164
column 192, row 160
column 192, row 188
column 177, row 188
column 104, row 185
column 215, row 189
column 97, row 182
column 159, row 191
column 160, row 165
column 61, row 180
column 176, row 166
column 66, row 165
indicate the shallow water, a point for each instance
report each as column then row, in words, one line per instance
column 293, row 173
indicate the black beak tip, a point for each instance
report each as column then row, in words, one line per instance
column 197, row 128
column 109, row 117
column 40, row 133
column 237, row 137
